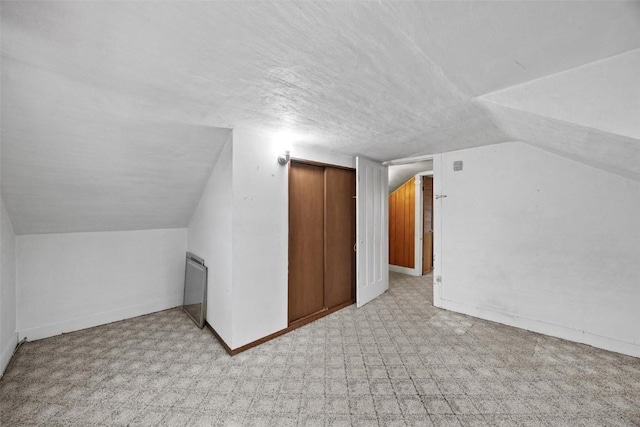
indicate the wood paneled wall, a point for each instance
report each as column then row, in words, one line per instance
column 402, row 226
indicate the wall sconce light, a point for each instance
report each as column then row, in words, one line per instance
column 283, row 159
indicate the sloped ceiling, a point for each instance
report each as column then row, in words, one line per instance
column 113, row 112
column 71, row 164
column 399, row 174
column 590, row 113
column 604, row 95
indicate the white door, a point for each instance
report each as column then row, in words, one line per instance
column 372, row 230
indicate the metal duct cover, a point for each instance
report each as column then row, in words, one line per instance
column 195, row 289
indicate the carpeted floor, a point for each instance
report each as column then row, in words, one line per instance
column 397, row 361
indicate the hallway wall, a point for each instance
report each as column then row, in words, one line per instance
column 402, row 225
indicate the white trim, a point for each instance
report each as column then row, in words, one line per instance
column 98, row 319
column 545, row 328
column 417, row 226
column 419, row 223
column 407, row 160
column 437, row 230
column 7, row 352
column 404, row 270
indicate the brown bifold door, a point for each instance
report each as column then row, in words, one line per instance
column 427, row 224
column 340, row 236
column 306, row 240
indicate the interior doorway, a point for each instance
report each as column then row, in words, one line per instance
column 411, row 218
column 424, row 166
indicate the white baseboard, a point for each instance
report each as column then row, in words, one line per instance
column 544, row 328
column 98, row 319
column 404, row 270
column 7, row 352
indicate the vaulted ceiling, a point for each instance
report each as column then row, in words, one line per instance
column 113, row 113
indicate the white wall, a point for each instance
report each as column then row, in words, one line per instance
column 260, row 237
column 260, row 233
column 74, row 281
column 240, row 228
column 8, row 336
column 537, row 241
column 210, row 237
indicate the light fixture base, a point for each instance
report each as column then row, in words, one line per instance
column 283, row 159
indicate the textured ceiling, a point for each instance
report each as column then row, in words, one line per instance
column 70, row 165
column 134, row 83
column 604, row 95
column 399, row 174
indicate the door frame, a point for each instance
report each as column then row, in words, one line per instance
column 420, row 227
column 437, row 231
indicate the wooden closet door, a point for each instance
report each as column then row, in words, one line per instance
column 306, row 240
column 340, row 232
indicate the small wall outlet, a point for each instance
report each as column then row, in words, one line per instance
column 457, row 165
